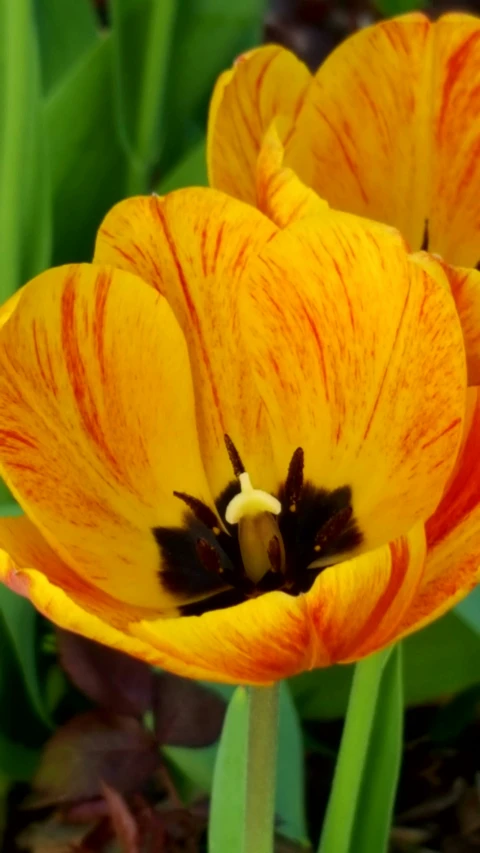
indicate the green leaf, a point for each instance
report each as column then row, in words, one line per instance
column 190, row 171
column 196, row 767
column 228, row 806
column 24, row 196
column 243, row 801
column 452, row 718
column 88, row 163
column 66, row 29
column 21, row 622
column 142, row 34
column 382, row 766
column 389, row 8
column 9, row 507
column 17, row 762
column 21, row 732
column 469, row 610
column 361, row 800
column 439, row 660
column 290, row 790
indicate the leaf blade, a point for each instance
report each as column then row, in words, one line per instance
column 376, row 692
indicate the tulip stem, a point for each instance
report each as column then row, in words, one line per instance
column 242, row 808
column 262, row 745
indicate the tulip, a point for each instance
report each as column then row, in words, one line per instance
column 242, row 450
column 388, row 128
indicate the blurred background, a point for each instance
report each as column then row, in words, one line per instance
column 100, row 100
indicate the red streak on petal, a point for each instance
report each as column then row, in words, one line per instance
column 455, row 66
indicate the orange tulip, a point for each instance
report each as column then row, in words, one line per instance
column 231, row 440
column 388, row 128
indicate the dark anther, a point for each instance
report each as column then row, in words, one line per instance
column 477, row 266
column 425, row 241
column 201, row 511
column 294, row 481
column 274, row 553
column 332, row 528
column 209, row 557
column 234, row 456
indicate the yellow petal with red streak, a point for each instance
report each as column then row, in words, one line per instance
column 265, row 84
column 359, row 359
column 351, row 608
column 30, row 567
column 97, row 424
column 362, row 140
column 281, row 195
column 356, row 607
column 452, row 566
column 454, row 217
column 194, row 246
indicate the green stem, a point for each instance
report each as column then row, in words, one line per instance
column 15, row 19
column 344, row 796
column 152, row 93
column 242, row 808
column 261, row 766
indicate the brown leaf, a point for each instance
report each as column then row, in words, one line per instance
column 186, row 713
column 94, row 748
column 53, row 836
column 123, row 822
column 108, row 677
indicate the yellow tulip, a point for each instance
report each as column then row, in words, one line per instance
column 242, row 450
column 388, row 128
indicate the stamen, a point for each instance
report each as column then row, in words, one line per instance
column 201, row 511
column 294, row 481
column 234, row 456
column 209, row 557
column 332, row 528
column 426, row 239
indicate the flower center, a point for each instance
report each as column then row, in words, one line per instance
column 268, row 542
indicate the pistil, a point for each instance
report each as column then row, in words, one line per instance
column 259, row 537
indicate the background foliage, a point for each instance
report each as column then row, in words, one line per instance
column 97, row 103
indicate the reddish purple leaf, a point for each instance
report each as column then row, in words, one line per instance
column 186, row 713
column 91, row 750
column 108, row 677
column 123, row 822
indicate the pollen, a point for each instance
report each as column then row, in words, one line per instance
column 250, row 502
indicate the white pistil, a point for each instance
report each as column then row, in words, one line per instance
column 250, row 501
column 259, row 537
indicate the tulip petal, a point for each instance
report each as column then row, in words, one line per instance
column 257, row 642
column 364, row 125
column 368, row 379
column 97, row 424
column 465, row 286
column 280, row 194
column 452, row 566
column 352, row 607
column 285, row 199
column 31, row 568
column 9, row 306
column 454, row 222
column 265, row 84
column 357, row 606
column 193, row 246
column 392, row 127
